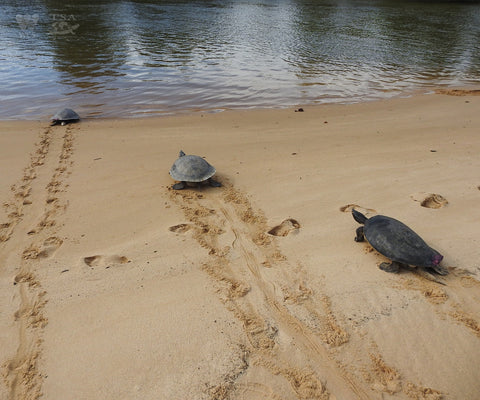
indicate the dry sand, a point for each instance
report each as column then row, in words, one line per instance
column 114, row 286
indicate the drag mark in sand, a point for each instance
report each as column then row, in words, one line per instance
column 38, row 204
column 269, row 295
column 349, row 207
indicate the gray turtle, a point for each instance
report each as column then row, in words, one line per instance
column 65, row 116
column 397, row 242
column 192, row 169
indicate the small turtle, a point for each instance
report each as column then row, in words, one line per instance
column 190, row 169
column 397, row 242
column 65, row 116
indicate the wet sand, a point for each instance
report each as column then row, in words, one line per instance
column 115, row 286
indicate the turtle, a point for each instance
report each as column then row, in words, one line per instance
column 192, row 169
column 65, row 116
column 399, row 243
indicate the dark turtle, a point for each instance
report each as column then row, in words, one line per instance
column 397, row 242
column 192, row 169
column 65, row 116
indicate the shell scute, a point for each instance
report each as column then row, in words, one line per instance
column 65, row 115
column 191, row 168
column 398, row 242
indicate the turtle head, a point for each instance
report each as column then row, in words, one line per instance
column 435, row 264
column 436, row 259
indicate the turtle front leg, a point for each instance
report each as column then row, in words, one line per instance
column 214, row 183
column 179, row 186
column 390, row 267
column 360, row 236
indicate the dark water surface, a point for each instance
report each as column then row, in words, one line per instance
column 137, row 57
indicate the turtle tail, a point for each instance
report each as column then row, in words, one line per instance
column 359, row 217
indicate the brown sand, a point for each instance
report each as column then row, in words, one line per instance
column 114, row 286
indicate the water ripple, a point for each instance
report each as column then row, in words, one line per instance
column 135, row 58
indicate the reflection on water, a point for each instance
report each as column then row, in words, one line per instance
column 139, row 57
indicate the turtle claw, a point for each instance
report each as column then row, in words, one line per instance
column 430, row 276
column 179, row 186
column 440, row 270
column 214, row 183
column 390, row 267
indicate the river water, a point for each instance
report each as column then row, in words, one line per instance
column 136, row 58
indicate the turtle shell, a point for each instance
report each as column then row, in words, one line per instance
column 67, row 114
column 398, row 242
column 190, row 168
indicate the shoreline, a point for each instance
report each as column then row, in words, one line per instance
column 112, row 282
column 450, row 90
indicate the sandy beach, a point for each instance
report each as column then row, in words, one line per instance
column 115, row 286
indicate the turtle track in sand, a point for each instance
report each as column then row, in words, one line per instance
column 28, row 240
column 460, row 283
column 455, row 299
column 294, row 336
column 269, row 295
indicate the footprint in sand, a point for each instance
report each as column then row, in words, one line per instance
column 285, row 227
column 349, row 207
column 102, row 261
column 26, row 277
column 46, row 250
column 429, row 200
column 50, row 246
column 180, row 228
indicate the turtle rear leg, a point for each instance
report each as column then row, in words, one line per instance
column 390, row 267
column 214, row 183
column 360, row 236
column 179, row 186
